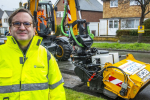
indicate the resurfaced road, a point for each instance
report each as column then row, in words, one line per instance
column 73, row 82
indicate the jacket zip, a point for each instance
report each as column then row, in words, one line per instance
column 22, row 66
column 24, row 58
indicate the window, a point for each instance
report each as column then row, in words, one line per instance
column 60, row 13
column 133, row 2
column 44, row 8
column 110, row 24
column 113, row 3
column 129, row 23
column 49, row 11
column 5, row 20
column 113, row 23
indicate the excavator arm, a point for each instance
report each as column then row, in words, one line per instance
column 79, row 29
column 32, row 6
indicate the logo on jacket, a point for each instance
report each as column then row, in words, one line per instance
column 38, row 66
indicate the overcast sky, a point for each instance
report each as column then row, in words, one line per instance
column 14, row 4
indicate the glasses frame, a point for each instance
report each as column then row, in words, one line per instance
column 17, row 26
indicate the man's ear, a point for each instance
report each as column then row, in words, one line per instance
column 34, row 30
column 10, row 30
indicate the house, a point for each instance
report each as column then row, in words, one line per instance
column 119, row 16
column 91, row 10
column 1, row 14
column 4, row 21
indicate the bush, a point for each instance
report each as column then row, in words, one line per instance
column 127, row 32
column 59, row 32
column 131, row 32
column 147, row 23
column 147, row 32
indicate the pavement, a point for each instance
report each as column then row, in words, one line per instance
column 112, row 42
column 71, row 81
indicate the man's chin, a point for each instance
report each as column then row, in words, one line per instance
column 23, row 39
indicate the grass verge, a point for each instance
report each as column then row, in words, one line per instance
column 129, row 46
column 74, row 95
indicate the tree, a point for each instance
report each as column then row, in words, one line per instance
column 145, row 9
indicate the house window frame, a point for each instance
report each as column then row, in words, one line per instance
column 60, row 14
column 5, row 20
column 135, row 21
column 134, row 3
column 113, row 23
column 114, row 1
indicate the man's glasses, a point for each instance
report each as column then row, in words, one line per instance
column 18, row 24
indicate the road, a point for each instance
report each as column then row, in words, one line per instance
column 73, row 82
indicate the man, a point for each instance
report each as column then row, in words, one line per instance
column 27, row 70
column 40, row 16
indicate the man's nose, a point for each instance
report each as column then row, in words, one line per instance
column 22, row 27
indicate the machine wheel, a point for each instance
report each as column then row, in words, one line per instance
column 63, row 51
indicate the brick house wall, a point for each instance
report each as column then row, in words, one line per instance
column 0, row 23
column 60, row 7
column 123, row 10
column 90, row 16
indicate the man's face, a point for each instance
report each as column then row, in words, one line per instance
column 39, row 8
column 22, row 33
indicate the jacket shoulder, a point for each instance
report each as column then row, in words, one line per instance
column 46, row 50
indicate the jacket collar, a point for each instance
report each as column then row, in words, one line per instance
column 34, row 44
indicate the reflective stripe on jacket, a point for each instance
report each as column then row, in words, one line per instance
column 31, row 76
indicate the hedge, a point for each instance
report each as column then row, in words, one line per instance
column 133, row 32
column 147, row 23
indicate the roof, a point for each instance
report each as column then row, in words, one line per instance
column 1, row 14
column 9, row 12
column 56, row 2
column 90, row 5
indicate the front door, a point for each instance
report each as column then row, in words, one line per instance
column 113, row 26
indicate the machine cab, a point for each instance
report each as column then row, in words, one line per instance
column 46, row 18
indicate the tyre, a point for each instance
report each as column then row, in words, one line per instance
column 63, row 51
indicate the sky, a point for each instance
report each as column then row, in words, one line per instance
column 14, row 4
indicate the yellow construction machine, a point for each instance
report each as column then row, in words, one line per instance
column 59, row 46
column 101, row 70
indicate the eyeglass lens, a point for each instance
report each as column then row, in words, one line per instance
column 18, row 24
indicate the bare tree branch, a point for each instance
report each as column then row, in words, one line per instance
column 146, row 13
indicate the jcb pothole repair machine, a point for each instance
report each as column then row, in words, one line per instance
column 59, row 46
column 101, row 70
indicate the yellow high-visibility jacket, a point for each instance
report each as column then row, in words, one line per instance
column 31, row 76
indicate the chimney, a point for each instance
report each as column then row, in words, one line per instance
column 20, row 4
